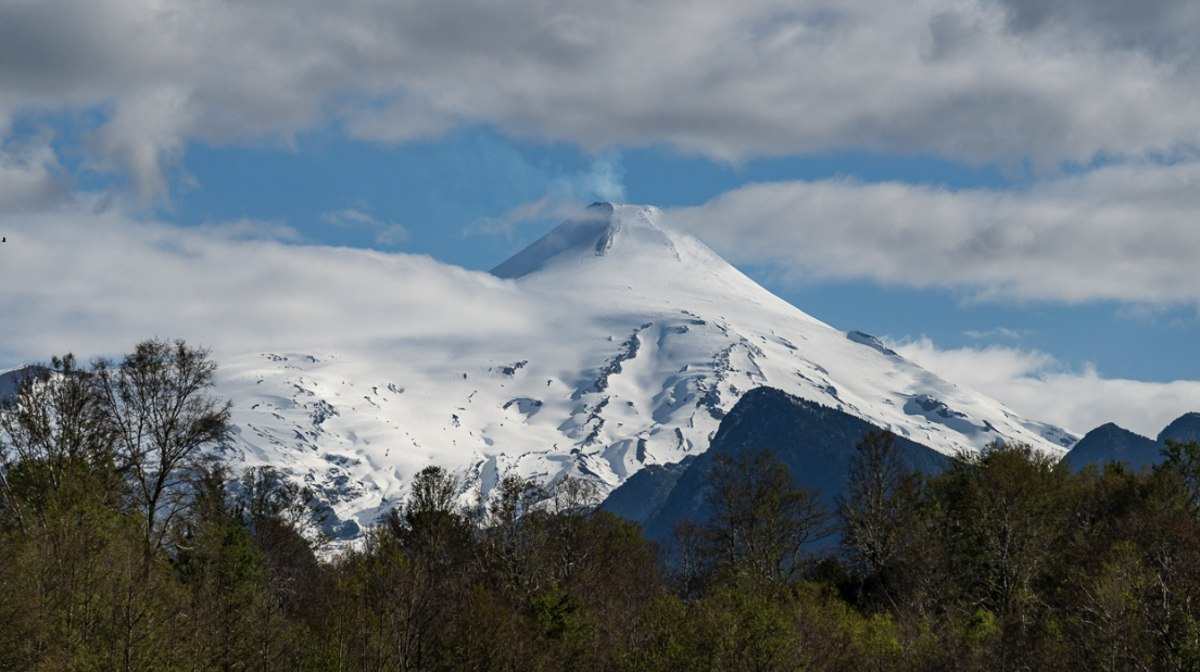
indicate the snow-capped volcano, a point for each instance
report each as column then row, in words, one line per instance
column 643, row 339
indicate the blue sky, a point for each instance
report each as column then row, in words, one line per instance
column 1003, row 189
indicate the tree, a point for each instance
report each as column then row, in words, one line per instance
column 879, row 520
column 284, row 526
column 423, row 552
column 508, row 537
column 1182, row 460
column 432, row 526
column 225, row 574
column 1004, row 517
column 53, row 429
column 158, row 400
column 871, row 512
column 760, row 522
column 572, row 500
column 267, row 500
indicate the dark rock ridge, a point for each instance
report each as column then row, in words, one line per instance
column 1185, row 428
column 643, row 494
column 1110, row 443
column 814, row 441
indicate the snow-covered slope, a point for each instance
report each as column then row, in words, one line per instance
column 643, row 339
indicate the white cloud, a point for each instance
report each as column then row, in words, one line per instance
column 1036, row 385
column 384, row 232
column 252, row 229
column 30, row 177
column 98, row 283
column 1124, row 232
column 998, row 332
column 978, row 80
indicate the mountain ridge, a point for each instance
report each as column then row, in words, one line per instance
column 1112, row 443
column 815, row 442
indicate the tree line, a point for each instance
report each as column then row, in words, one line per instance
column 123, row 547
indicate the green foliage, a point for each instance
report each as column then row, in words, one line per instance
column 1002, row 513
column 1181, row 461
column 738, row 629
column 559, row 615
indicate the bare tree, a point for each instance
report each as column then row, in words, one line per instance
column 508, row 540
column 872, row 514
column 158, row 399
column 761, row 523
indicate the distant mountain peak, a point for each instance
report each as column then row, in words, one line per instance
column 1111, row 442
column 602, row 230
column 1185, row 428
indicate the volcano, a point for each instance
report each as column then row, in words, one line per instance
column 640, row 340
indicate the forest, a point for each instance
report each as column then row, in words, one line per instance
column 124, row 545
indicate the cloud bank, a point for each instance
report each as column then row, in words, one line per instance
column 1036, row 385
column 75, row 280
column 977, row 80
column 1125, row 232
